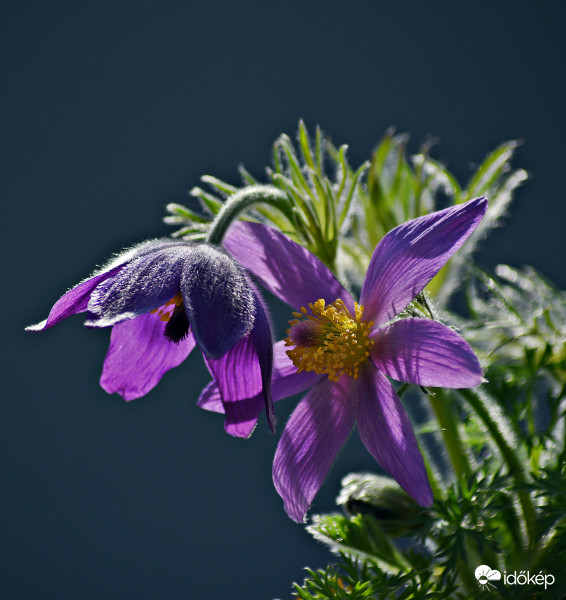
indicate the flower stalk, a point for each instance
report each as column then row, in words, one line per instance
column 448, row 421
column 239, row 202
column 514, row 464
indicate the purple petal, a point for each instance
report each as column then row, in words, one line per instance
column 285, row 382
column 210, row 399
column 243, row 376
column 386, row 431
column 285, row 268
column 74, row 301
column 147, row 282
column 316, row 431
column 239, row 380
column 426, row 353
column 77, row 299
column 220, row 301
column 410, row 255
column 139, row 355
column 263, row 345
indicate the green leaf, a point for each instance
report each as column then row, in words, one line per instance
column 247, row 177
column 305, row 146
column 491, row 169
column 218, row 185
column 359, row 536
column 182, row 214
column 208, row 202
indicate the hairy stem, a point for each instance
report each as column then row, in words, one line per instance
column 514, row 464
column 448, row 421
column 240, row 201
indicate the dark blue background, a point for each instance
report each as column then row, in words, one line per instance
column 112, row 109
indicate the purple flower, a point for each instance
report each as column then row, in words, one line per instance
column 345, row 352
column 161, row 298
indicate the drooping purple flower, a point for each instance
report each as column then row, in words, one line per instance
column 345, row 352
column 163, row 297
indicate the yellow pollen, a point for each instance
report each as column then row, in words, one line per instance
column 329, row 340
column 166, row 311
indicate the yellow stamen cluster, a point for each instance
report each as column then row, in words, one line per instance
column 166, row 311
column 329, row 340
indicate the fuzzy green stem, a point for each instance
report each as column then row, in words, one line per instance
column 238, row 202
column 514, row 464
column 448, row 421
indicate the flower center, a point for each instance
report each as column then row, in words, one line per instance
column 329, row 340
column 174, row 315
column 165, row 312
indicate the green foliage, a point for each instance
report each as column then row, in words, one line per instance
column 340, row 213
column 475, row 522
column 505, row 440
column 518, row 328
column 360, row 536
column 319, row 198
column 354, row 580
column 400, row 188
column 381, row 498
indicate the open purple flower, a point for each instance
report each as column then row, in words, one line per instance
column 161, row 298
column 345, row 352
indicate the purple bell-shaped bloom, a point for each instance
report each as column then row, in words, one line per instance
column 163, row 297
